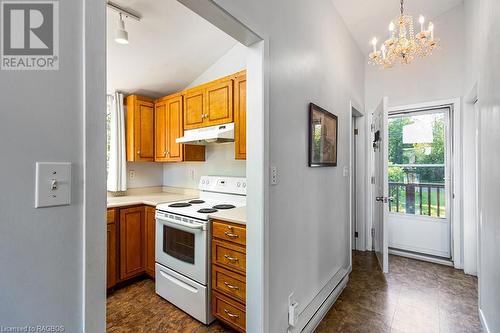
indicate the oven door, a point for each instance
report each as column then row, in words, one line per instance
column 181, row 245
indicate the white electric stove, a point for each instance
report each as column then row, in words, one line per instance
column 182, row 243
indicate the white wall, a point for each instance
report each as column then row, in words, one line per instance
column 489, row 159
column 219, row 157
column 436, row 77
column 219, row 162
column 146, row 174
column 231, row 62
column 41, row 250
column 312, row 58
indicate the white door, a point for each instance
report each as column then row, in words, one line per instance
column 419, row 181
column 381, row 200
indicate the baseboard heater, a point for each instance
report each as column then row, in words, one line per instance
column 316, row 310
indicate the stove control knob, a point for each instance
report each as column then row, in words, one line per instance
column 244, row 185
column 203, row 181
column 238, row 184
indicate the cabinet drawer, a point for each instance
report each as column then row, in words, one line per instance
column 111, row 216
column 229, row 232
column 229, row 283
column 229, row 256
column 229, row 311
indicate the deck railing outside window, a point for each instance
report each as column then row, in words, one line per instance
column 418, row 198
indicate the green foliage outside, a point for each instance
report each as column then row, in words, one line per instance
column 417, row 153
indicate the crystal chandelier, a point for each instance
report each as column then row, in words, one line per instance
column 403, row 45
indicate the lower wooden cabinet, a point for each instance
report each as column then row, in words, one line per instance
column 228, row 273
column 111, row 263
column 132, row 242
column 150, row 240
column 131, row 233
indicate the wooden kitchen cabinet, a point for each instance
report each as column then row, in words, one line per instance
column 150, row 240
column 219, row 105
column 229, row 273
column 209, row 104
column 194, row 108
column 240, row 116
column 132, row 242
column 140, row 128
column 168, row 127
column 111, row 253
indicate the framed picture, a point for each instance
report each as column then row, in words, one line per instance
column 323, row 129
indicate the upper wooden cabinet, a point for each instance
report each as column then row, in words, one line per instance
column 240, row 116
column 194, row 108
column 140, row 128
column 209, row 104
column 168, row 127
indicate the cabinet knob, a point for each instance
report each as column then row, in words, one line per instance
column 165, row 153
column 138, row 152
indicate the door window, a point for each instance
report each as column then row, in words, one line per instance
column 417, row 163
column 179, row 244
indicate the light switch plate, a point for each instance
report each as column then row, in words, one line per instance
column 53, row 184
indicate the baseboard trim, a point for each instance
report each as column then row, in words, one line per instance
column 328, row 302
column 482, row 318
column 422, row 257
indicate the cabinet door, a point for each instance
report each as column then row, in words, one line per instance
column 174, row 128
column 144, row 128
column 111, row 256
column 194, row 108
column 219, row 108
column 161, row 132
column 150, row 241
column 132, row 241
column 240, row 117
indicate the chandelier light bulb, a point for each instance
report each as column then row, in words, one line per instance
column 391, row 27
column 374, row 43
column 431, row 29
column 421, row 20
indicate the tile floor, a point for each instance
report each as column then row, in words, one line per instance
column 414, row 297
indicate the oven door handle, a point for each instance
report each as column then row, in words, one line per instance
column 187, row 225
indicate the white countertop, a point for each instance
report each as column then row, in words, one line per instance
column 236, row 215
column 150, row 196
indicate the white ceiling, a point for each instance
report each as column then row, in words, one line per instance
column 169, row 48
column 367, row 19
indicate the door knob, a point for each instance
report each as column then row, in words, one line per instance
column 379, row 198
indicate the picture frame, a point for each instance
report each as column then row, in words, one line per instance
column 323, row 137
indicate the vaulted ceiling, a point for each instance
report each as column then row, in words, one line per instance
column 370, row 18
column 169, row 48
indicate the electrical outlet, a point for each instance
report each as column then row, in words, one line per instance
column 131, row 174
column 192, row 174
column 274, row 175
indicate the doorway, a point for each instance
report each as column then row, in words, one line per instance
column 419, row 181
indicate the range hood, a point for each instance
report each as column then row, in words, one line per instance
column 205, row 135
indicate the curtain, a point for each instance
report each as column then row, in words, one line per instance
column 117, row 166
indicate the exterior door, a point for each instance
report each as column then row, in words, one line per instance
column 381, row 198
column 419, row 181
